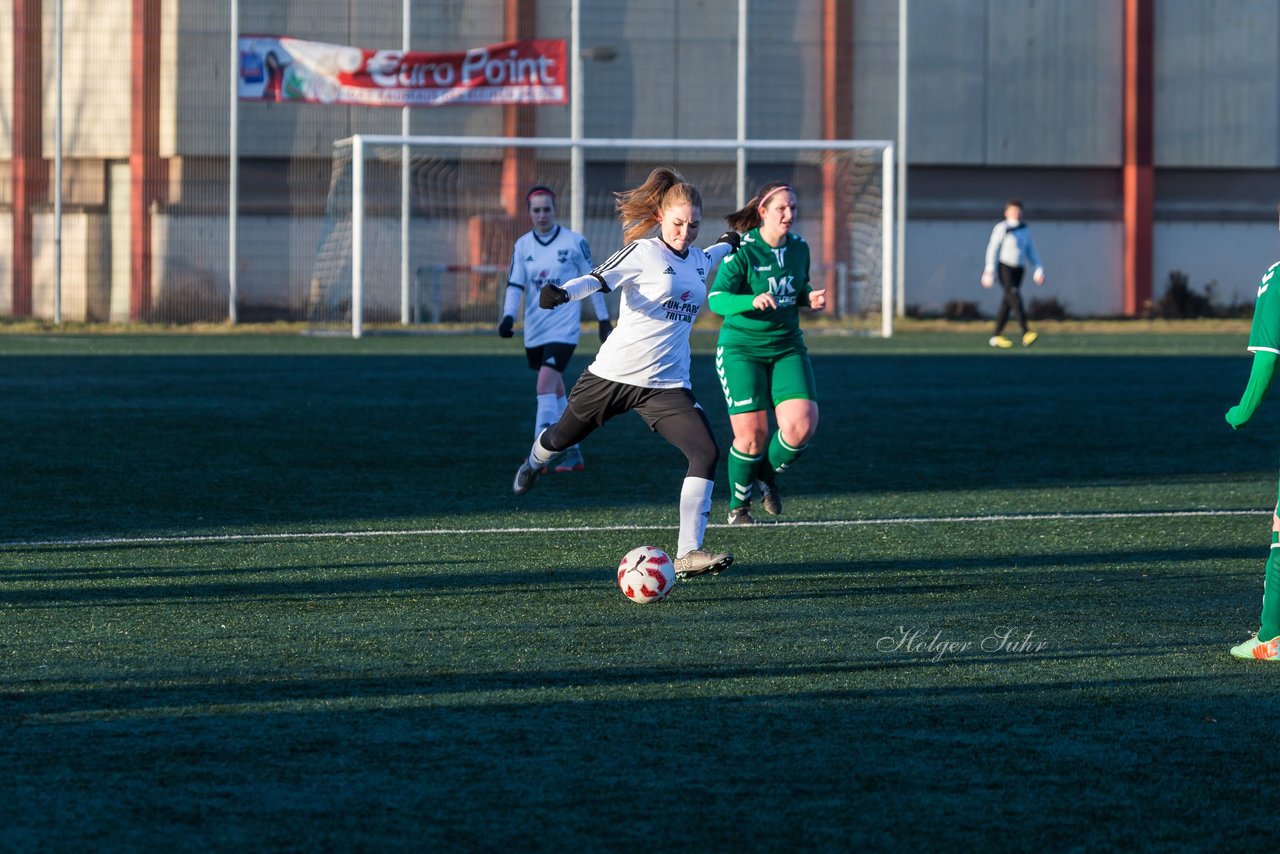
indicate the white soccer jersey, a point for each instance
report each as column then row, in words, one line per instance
column 661, row 296
column 536, row 262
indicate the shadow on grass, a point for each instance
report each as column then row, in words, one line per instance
column 115, row 445
column 1038, row 762
column 856, row 580
column 194, row 696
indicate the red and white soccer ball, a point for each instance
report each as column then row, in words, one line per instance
column 646, row 575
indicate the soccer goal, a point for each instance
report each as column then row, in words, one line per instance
column 419, row 229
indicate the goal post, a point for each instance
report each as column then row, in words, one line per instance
column 461, row 234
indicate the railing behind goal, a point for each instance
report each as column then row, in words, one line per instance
column 448, row 260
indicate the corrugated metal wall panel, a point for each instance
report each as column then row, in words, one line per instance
column 1216, row 87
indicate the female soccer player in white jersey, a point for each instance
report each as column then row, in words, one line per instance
column 644, row 366
column 549, row 255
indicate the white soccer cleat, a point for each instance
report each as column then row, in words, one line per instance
column 1254, row 648
column 698, row 562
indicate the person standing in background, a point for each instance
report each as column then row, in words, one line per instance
column 1011, row 249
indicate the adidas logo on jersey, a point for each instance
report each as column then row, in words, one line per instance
column 668, row 272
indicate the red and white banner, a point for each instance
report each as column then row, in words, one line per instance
column 280, row 68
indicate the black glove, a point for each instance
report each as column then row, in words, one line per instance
column 504, row 328
column 732, row 238
column 552, row 295
column 605, row 328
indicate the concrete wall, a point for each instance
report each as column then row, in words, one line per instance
column 1081, row 260
column 95, row 78
column 86, row 261
column 1232, row 254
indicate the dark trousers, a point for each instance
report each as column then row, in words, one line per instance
column 1011, row 284
column 672, row 413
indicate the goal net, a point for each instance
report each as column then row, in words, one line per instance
column 420, row 229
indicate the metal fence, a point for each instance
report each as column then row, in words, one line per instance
column 141, row 227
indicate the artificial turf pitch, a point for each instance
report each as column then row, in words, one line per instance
column 275, row 592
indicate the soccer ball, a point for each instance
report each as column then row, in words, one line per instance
column 646, row 575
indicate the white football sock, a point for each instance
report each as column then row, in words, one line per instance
column 695, row 510
column 538, row 455
column 548, row 413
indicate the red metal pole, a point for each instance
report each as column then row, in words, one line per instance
column 148, row 175
column 1139, row 171
column 837, row 123
column 517, row 163
column 30, row 172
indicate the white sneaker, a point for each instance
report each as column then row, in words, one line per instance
column 698, row 562
column 1254, row 648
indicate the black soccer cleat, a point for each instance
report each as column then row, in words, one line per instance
column 526, row 477
column 769, row 498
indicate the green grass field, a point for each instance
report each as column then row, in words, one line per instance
column 273, row 591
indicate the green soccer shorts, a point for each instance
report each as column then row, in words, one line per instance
column 753, row 382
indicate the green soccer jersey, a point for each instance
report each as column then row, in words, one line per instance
column 1264, row 334
column 758, row 268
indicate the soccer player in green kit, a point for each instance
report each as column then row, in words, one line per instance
column 761, row 358
column 1264, row 342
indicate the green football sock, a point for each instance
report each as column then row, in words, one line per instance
column 742, row 476
column 781, row 455
column 1271, row 593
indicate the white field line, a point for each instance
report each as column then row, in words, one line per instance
column 286, row 536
